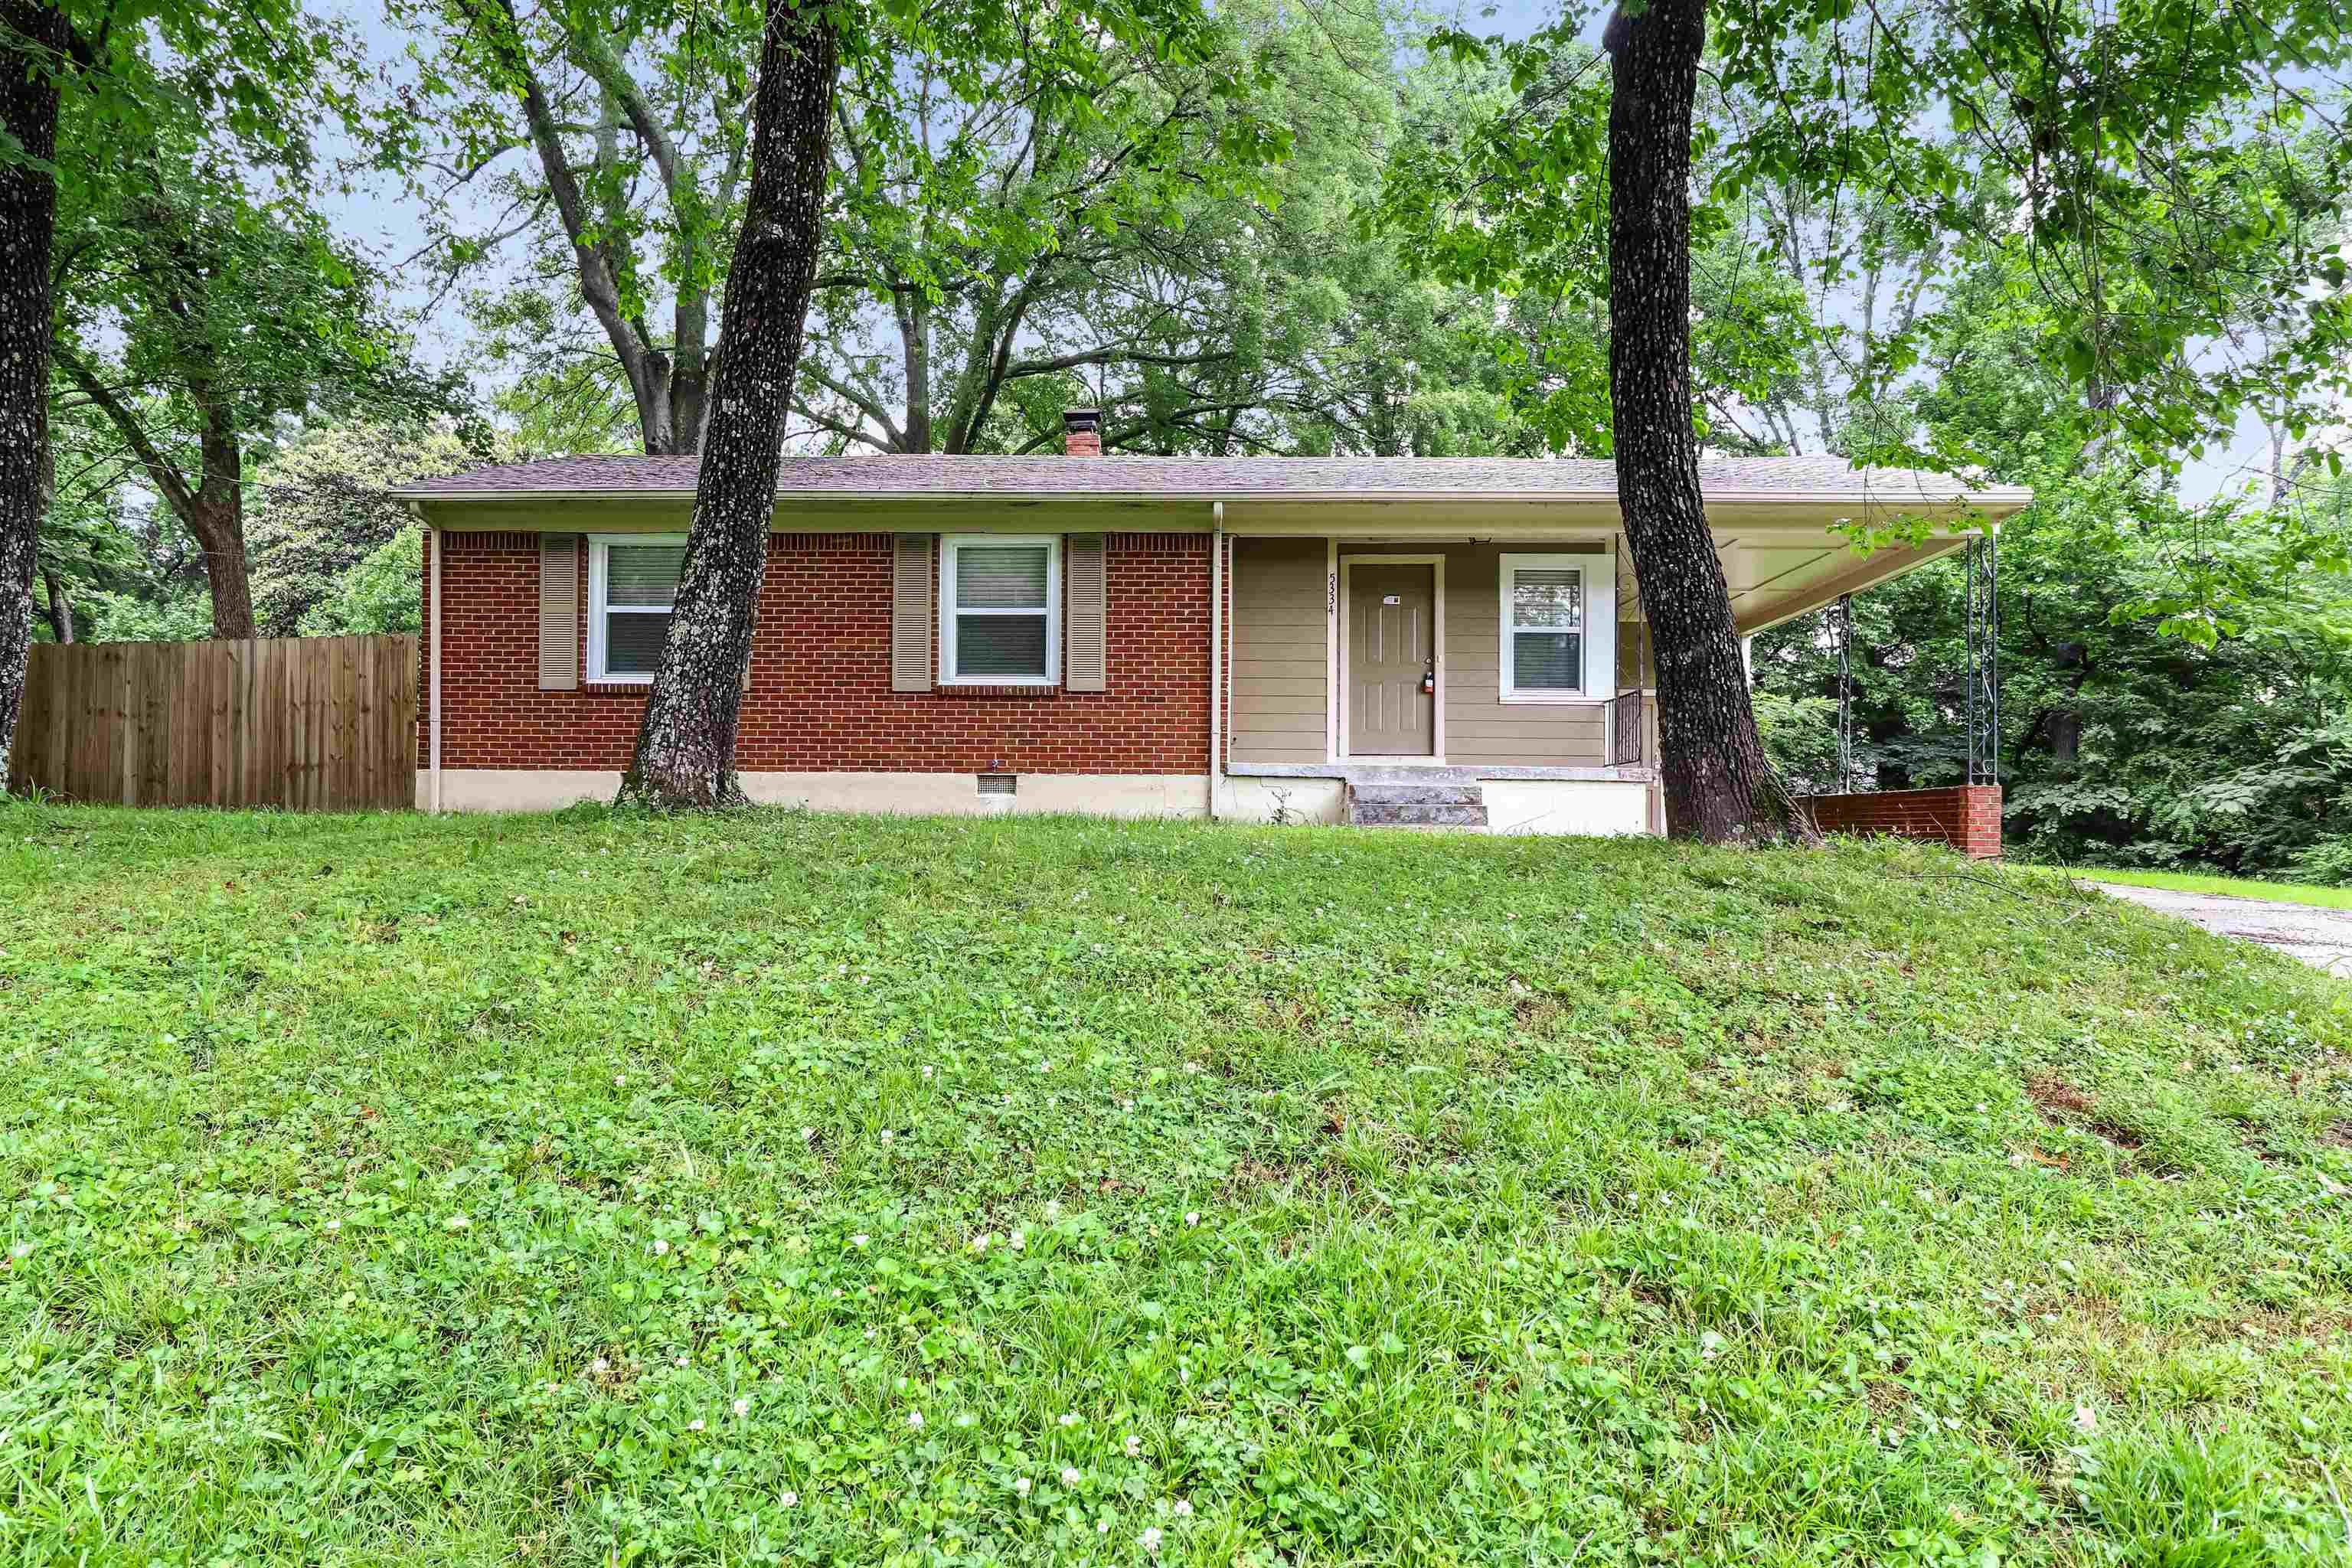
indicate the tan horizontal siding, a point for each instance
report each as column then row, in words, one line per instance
column 1480, row 728
column 1281, row 691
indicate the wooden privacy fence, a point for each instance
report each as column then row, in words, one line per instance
column 308, row 723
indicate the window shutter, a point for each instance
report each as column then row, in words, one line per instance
column 1084, row 636
column 559, row 612
column 910, row 614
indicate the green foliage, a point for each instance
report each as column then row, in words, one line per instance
column 399, row 1189
column 113, row 615
column 2176, row 682
column 378, row 594
column 328, row 537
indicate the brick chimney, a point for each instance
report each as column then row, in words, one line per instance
column 1082, row 432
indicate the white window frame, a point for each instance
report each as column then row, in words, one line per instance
column 949, row 545
column 599, row 575
column 1597, row 592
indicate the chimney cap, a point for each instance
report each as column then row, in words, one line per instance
column 1075, row 421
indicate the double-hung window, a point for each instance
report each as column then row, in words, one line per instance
column 1553, row 649
column 1000, row 610
column 632, row 589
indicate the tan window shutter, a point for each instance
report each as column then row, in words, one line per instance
column 1085, row 639
column 910, row 614
column 559, row 612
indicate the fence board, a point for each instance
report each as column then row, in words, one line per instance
column 308, row 723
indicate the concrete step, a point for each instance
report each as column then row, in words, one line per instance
column 1416, row 814
column 1442, row 794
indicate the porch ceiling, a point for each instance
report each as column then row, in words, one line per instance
column 1776, row 578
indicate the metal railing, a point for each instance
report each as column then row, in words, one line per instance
column 1629, row 721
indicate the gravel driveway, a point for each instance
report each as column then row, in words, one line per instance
column 2321, row 938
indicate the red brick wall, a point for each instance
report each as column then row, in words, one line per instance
column 1966, row 816
column 820, row 698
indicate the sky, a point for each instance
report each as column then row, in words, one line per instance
column 389, row 226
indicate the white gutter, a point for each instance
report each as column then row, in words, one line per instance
column 432, row 665
column 1217, row 651
column 2004, row 496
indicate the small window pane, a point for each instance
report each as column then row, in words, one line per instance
column 1001, row 645
column 1548, row 661
column 1001, row 576
column 643, row 573
column 632, row 642
column 1546, row 596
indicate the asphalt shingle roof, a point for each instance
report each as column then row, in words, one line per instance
column 1207, row 479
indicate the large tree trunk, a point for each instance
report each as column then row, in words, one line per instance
column 32, row 43
column 219, row 529
column 686, row 746
column 1719, row 785
column 216, row 515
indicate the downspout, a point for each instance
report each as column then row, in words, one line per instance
column 432, row 666
column 1216, row 652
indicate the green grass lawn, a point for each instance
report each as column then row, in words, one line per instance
column 600, row 1189
column 2235, row 887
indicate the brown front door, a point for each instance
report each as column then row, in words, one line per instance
column 1392, row 657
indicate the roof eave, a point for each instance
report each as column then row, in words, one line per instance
column 2000, row 502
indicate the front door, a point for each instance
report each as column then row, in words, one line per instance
column 1392, row 661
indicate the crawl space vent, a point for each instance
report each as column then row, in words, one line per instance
column 999, row 783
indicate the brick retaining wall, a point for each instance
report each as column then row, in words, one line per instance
column 1966, row 816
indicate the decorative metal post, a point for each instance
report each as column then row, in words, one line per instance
column 1983, row 683
column 1841, row 623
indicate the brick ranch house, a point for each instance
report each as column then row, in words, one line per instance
column 1371, row 640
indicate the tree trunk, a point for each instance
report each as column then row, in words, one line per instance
column 1719, row 785
column 61, row 621
column 915, row 335
column 216, row 515
column 219, row 528
column 685, row 745
column 29, row 30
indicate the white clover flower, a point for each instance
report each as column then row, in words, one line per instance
column 1191, row 1218
column 2086, row 1420
column 927, row 1073
column 1069, row 1418
column 1149, row 1541
column 600, row 1366
column 333, row 1226
column 742, row 1407
column 889, row 1137
column 1102, row 1527
column 1134, row 1446
column 789, row 1500
column 915, row 1420
column 1183, row 1507
column 858, row 1240
column 1069, row 1475
column 980, row 1242
column 808, row 1134
column 680, row 1359
column 618, row 1079
column 660, row 1247
column 1016, row 1241
column 1021, row 1487
column 457, row 1221
column 1053, row 1208
column 695, row 1424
